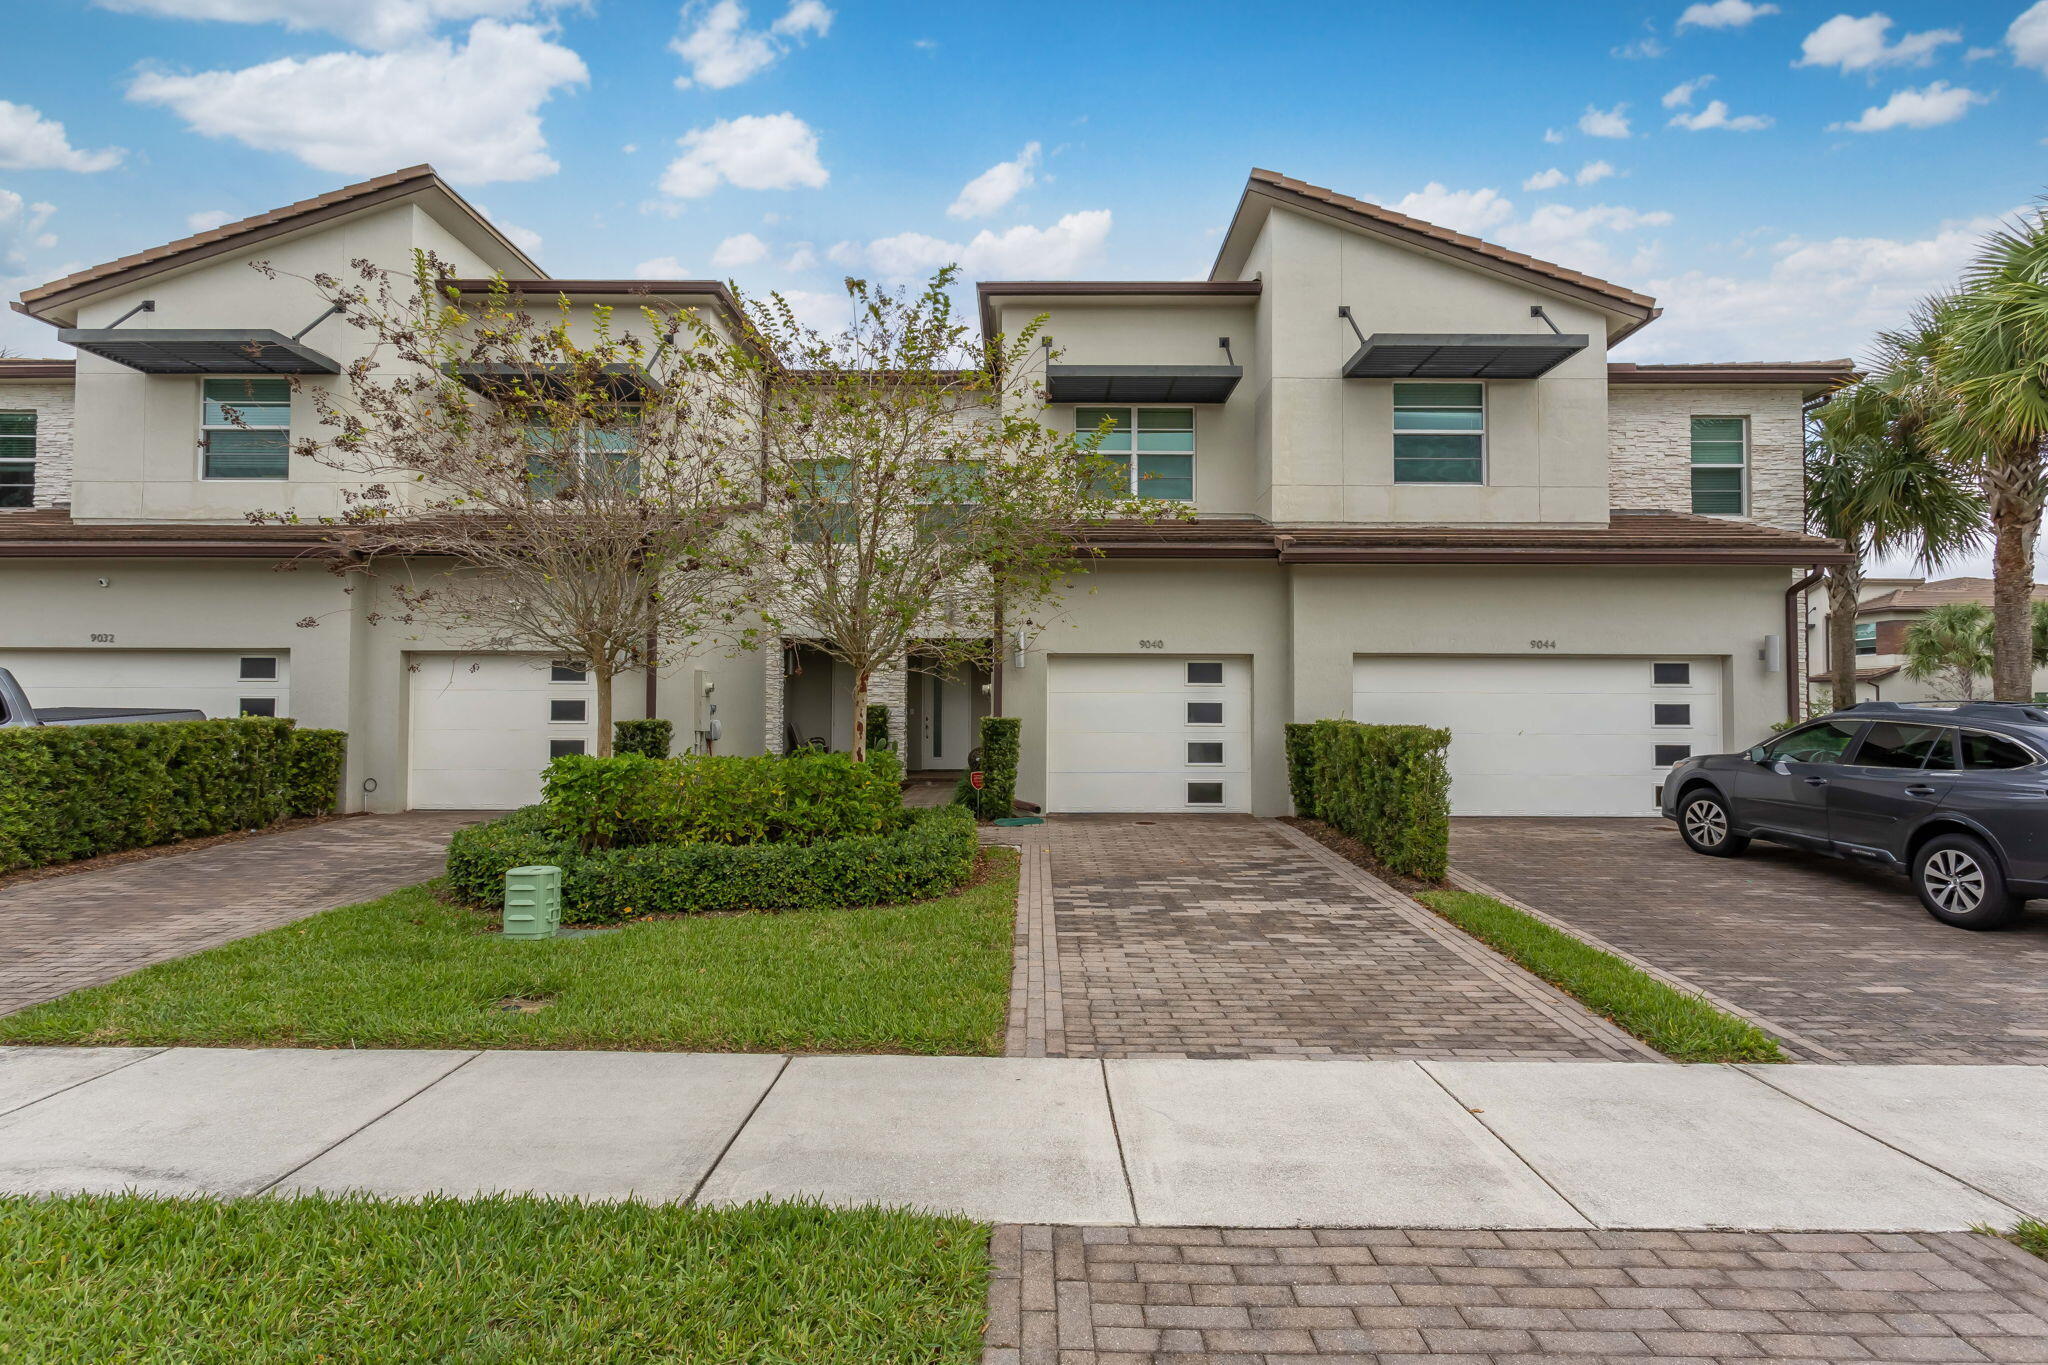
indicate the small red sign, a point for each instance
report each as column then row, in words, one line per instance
column 975, row 780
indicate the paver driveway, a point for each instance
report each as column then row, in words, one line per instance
column 1842, row 956
column 1226, row 936
column 63, row 933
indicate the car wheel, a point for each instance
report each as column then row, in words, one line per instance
column 1960, row 883
column 1704, row 825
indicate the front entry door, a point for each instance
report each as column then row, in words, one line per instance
column 944, row 720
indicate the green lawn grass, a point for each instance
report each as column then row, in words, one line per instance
column 121, row 1280
column 2028, row 1235
column 1674, row 1022
column 412, row 971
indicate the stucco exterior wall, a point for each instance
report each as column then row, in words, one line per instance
column 1650, row 438
column 52, row 403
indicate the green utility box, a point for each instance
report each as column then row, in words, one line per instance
column 533, row 902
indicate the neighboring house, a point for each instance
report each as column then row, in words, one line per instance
column 1885, row 609
column 1422, row 493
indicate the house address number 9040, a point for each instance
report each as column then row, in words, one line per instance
column 1151, row 644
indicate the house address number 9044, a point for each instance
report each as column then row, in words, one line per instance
column 1543, row 644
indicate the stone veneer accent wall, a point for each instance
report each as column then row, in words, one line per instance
column 1649, row 439
column 890, row 688
column 50, row 400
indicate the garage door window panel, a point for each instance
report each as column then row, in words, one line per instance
column 568, row 711
column 1205, row 793
column 1205, row 754
column 258, row 706
column 1205, row 713
column 245, row 428
column 1439, row 433
column 1673, row 713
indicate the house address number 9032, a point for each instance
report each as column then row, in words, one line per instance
column 101, row 637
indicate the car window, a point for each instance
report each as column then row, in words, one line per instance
column 1822, row 743
column 1887, row 744
column 1985, row 751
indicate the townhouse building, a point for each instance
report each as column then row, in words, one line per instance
column 1419, row 491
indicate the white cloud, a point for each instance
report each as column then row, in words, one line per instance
column 844, row 253
column 1589, row 174
column 367, row 23
column 1723, row 14
column 1545, row 180
column 722, row 51
column 801, row 257
column 1859, row 44
column 1645, row 48
column 1584, row 238
column 472, row 110
column 752, row 152
column 1553, row 136
column 1978, row 54
column 22, row 228
column 1818, row 298
column 30, row 142
column 662, row 268
column 1021, row 252
column 206, row 220
column 1473, row 211
column 1680, row 96
column 1931, row 107
column 997, row 185
column 1716, row 115
column 1597, row 122
column 2028, row 37
column 526, row 239
column 738, row 250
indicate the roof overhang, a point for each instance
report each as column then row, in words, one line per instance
column 623, row 380
column 1043, row 295
column 174, row 350
column 1461, row 355
column 1141, row 383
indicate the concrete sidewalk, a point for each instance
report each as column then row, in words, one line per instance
column 1055, row 1141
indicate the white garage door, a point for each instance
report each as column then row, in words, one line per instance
column 216, row 681
column 1549, row 736
column 1148, row 734
column 484, row 725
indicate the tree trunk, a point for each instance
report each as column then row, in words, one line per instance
column 862, row 677
column 603, row 675
column 2016, row 522
column 1843, row 583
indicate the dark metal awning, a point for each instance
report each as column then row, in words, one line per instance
column 625, row 381
column 1433, row 355
column 1141, row 383
column 233, row 350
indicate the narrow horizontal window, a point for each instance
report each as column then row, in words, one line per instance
column 558, row 748
column 1679, row 713
column 257, row 706
column 570, row 711
column 259, row 668
column 1205, row 793
column 1668, row 754
column 1439, row 433
column 1205, row 713
column 1671, row 675
column 567, row 673
column 1205, row 752
column 1202, row 674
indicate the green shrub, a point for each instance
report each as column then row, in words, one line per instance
column 650, row 738
column 995, row 758
column 70, row 792
column 878, row 726
column 1384, row 785
column 921, row 854
column 628, row 800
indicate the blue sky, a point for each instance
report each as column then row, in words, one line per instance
column 1784, row 177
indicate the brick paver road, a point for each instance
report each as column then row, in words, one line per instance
column 1225, row 936
column 1204, row 1296
column 61, row 933
column 1841, row 955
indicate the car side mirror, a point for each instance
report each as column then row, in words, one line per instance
column 1756, row 755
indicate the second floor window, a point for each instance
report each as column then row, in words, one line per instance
column 1150, row 451
column 589, row 455
column 1720, row 447
column 1439, row 433
column 17, row 459
column 245, row 428
column 1866, row 637
column 825, row 512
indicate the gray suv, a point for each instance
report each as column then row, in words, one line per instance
column 1953, row 794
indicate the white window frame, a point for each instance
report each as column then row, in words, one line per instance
column 242, row 673
column 1219, row 723
column 1221, row 674
column 585, row 719
column 1134, row 483
column 207, row 429
column 1686, row 664
column 1685, row 724
column 1485, row 444
column 1222, row 794
column 1221, row 759
column 1741, row 469
column 35, row 434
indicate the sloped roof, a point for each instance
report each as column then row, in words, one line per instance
column 1863, row 675
column 36, row 367
column 246, row 231
column 1940, row 592
column 1814, row 375
column 1399, row 226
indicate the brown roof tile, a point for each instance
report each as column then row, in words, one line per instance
column 1940, row 592
column 1806, row 373
column 51, row 532
column 35, row 367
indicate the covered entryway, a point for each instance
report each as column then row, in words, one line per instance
column 218, row 682
column 1136, row 733
column 485, row 725
column 1550, row 736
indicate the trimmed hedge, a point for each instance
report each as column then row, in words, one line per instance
column 878, row 726
column 1384, row 785
column 995, row 758
column 924, row 853
column 649, row 738
column 810, row 795
column 71, row 792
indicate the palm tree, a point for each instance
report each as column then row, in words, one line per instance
column 1878, row 492
column 1992, row 361
column 1951, row 645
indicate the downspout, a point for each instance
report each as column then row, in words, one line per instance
column 1795, row 633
